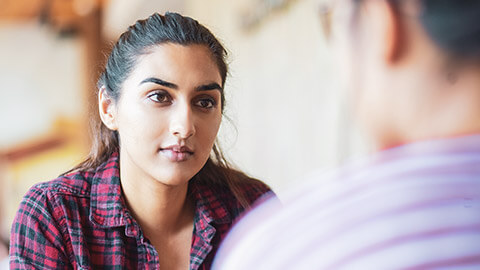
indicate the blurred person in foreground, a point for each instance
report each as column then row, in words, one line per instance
column 413, row 71
column 155, row 192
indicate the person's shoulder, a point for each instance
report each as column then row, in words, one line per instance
column 232, row 189
column 75, row 183
column 251, row 189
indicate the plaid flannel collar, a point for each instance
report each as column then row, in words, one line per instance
column 108, row 208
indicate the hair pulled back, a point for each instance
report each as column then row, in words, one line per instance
column 135, row 42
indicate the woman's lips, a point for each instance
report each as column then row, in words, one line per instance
column 176, row 153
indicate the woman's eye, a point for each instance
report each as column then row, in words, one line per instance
column 205, row 103
column 160, row 97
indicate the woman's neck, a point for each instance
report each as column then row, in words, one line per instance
column 431, row 107
column 160, row 210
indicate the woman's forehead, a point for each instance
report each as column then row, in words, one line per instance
column 177, row 63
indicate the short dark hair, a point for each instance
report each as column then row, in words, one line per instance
column 453, row 25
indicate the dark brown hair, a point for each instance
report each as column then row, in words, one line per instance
column 144, row 34
column 454, row 25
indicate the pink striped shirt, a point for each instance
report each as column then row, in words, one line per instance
column 412, row 207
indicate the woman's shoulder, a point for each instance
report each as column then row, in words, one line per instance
column 252, row 188
column 52, row 207
column 71, row 184
column 238, row 190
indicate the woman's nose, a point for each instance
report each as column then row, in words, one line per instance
column 181, row 123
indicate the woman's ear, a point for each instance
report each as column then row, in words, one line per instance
column 107, row 110
column 388, row 30
column 395, row 36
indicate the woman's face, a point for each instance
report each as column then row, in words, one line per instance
column 169, row 113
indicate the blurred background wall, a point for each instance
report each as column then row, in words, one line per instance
column 287, row 116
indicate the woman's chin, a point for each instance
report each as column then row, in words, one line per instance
column 174, row 178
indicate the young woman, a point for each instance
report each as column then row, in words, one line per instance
column 155, row 191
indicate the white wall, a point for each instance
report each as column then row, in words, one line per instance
column 40, row 79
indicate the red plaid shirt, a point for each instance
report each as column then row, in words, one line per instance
column 80, row 221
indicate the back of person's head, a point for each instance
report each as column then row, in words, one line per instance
column 413, row 66
column 454, row 25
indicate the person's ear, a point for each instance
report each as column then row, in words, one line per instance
column 388, row 29
column 107, row 109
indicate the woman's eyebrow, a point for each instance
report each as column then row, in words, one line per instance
column 205, row 87
column 208, row 87
column 160, row 82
